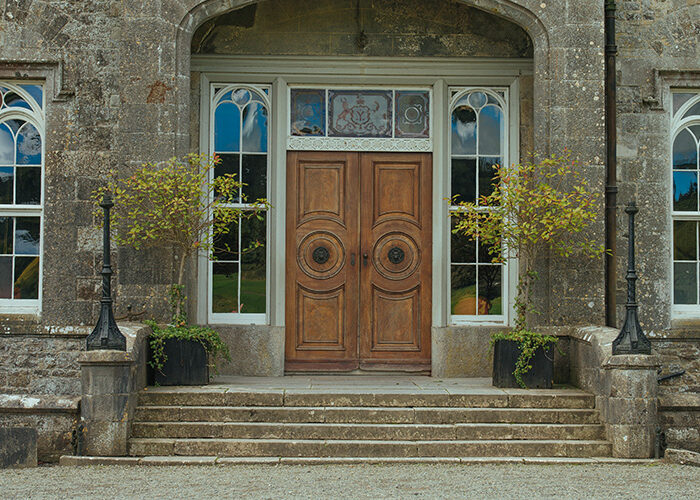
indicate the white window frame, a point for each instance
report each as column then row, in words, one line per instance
column 678, row 123
column 241, row 318
column 35, row 116
column 437, row 74
column 456, row 93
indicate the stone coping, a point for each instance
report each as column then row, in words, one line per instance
column 680, row 401
column 682, row 457
column 43, row 403
column 632, row 362
column 68, row 460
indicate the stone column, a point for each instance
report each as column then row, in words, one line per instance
column 104, row 408
column 630, row 412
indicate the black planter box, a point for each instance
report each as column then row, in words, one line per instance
column 505, row 355
column 186, row 364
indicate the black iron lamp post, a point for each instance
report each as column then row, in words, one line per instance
column 106, row 334
column 631, row 339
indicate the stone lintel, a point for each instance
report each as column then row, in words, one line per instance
column 105, row 357
column 632, row 362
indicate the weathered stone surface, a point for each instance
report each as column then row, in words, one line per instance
column 255, row 350
column 18, row 447
column 683, row 457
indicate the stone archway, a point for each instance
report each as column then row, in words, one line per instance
column 201, row 11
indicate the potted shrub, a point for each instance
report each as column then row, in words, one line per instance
column 535, row 206
column 180, row 204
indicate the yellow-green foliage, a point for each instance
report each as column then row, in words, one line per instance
column 534, row 205
column 176, row 203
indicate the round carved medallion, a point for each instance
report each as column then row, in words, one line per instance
column 321, row 255
column 396, row 256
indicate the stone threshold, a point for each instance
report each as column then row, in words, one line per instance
column 68, row 460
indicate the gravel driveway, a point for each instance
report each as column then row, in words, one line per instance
column 355, row 481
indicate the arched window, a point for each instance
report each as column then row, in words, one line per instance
column 478, row 142
column 21, row 196
column 240, row 137
column 685, row 164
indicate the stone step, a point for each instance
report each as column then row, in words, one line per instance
column 367, row 432
column 515, row 398
column 378, row 415
column 366, row 448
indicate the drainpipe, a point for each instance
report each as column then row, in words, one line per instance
column 611, row 165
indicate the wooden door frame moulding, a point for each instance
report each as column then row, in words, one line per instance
column 279, row 72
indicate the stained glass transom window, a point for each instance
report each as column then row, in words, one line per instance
column 238, row 269
column 685, row 166
column 477, row 146
column 21, row 170
column 359, row 113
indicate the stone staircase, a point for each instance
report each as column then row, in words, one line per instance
column 256, row 422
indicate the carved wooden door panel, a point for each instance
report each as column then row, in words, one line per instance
column 395, row 280
column 322, row 268
column 358, row 274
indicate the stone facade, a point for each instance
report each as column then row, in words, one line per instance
column 120, row 92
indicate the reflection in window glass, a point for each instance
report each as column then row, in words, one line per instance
column 477, row 147
column 21, row 170
column 241, row 139
column 685, row 167
column 308, row 112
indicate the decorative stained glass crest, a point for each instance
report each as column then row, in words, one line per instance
column 412, row 114
column 308, row 112
column 360, row 113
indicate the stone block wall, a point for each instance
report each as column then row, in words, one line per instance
column 40, row 364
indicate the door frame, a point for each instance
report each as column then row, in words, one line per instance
column 279, row 72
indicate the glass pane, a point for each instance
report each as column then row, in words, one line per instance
column 487, row 172
column 28, row 185
column 412, row 114
column 685, row 191
column 7, row 145
column 13, row 99
column 227, row 127
column 490, row 130
column 252, row 232
column 226, row 245
column 241, row 97
column 6, row 235
column 462, row 249
column 360, row 113
column 224, row 294
column 26, row 278
column 490, row 290
column 308, row 112
column 685, row 240
column 36, row 92
column 464, row 179
column 255, row 176
column 685, row 283
column 463, row 131
column 463, row 290
column 477, row 99
column 685, row 151
column 5, row 277
column 229, row 164
column 484, row 256
column 255, row 128
column 253, row 267
column 694, row 110
column 6, row 184
column 679, row 100
column 28, row 146
column 27, row 236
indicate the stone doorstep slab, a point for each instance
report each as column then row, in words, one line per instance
column 67, row 460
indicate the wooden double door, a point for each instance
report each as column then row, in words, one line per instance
column 358, row 273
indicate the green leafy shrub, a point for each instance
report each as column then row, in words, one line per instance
column 535, row 206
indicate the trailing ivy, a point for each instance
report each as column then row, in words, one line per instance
column 529, row 342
